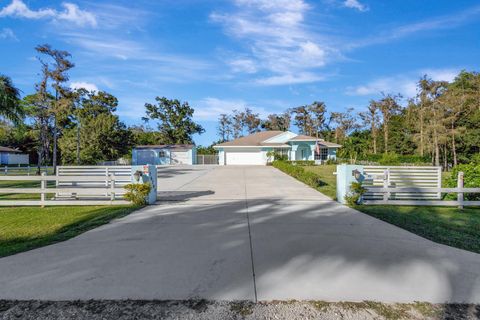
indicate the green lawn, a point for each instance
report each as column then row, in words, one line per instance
column 327, row 177
column 447, row 225
column 25, row 228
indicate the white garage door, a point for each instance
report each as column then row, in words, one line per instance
column 244, row 158
column 181, row 157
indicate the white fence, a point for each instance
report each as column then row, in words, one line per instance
column 94, row 190
column 420, row 195
column 380, row 177
column 24, row 170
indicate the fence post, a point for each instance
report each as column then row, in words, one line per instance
column 6, row 170
column 386, row 179
column 43, row 187
column 112, row 188
column 460, row 194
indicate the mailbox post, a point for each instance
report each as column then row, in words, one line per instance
column 146, row 174
column 346, row 174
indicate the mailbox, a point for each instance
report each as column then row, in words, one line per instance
column 146, row 174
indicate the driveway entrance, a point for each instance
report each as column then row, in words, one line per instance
column 247, row 232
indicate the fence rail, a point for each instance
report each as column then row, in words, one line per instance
column 109, row 193
column 389, row 195
column 27, row 170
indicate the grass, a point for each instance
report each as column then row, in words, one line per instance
column 446, row 225
column 329, row 188
column 26, row 228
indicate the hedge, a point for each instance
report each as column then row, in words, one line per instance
column 299, row 173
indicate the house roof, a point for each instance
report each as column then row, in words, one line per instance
column 9, row 150
column 258, row 140
column 167, row 146
column 302, row 137
column 254, row 139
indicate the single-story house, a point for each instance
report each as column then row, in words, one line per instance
column 164, row 154
column 9, row 156
column 253, row 149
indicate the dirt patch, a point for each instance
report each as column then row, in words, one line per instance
column 203, row 309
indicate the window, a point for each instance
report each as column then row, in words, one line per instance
column 161, row 154
column 281, row 151
column 323, row 155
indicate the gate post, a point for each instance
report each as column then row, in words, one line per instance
column 460, row 194
column 346, row 174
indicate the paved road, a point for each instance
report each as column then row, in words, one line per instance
column 216, row 227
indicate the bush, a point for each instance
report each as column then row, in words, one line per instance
column 299, row 173
column 303, row 162
column 137, row 193
column 471, row 178
column 389, row 158
column 355, row 194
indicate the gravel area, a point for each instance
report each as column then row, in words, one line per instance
column 202, row 309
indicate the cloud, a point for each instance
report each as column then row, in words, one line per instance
column 7, row 33
column 404, row 84
column 276, row 39
column 85, row 85
column 285, row 79
column 71, row 13
column 355, row 4
column 444, row 22
column 210, row 108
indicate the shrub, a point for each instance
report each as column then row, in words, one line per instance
column 471, row 178
column 303, row 162
column 389, row 158
column 299, row 173
column 137, row 193
column 355, row 194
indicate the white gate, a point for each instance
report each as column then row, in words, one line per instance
column 402, row 177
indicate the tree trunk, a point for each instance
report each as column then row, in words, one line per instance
column 78, row 144
column 385, row 134
column 454, row 147
column 54, row 156
column 436, row 148
column 374, row 138
column 422, row 148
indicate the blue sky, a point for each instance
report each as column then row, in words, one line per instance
column 223, row 55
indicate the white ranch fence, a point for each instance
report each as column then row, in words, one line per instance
column 415, row 191
column 24, row 170
column 380, row 177
column 94, row 190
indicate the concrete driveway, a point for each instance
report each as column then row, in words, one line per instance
column 243, row 233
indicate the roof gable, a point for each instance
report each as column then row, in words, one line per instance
column 254, row 139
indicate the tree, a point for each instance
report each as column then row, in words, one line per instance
column 58, row 74
column 388, row 106
column 302, row 119
column 279, row 122
column 176, row 125
column 144, row 135
column 371, row 119
column 224, row 127
column 345, row 122
column 316, row 117
column 252, row 121
column 238, row 123
column 10, row 107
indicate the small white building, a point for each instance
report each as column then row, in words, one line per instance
column 9, row 156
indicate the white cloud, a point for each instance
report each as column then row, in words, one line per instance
column 355, row 4
column 285, row 79
column 210, row 108
column 279, row 42
column 404, row 84
column 7, row 33
column 243, row 65
column 71, row 13
column 85, row 85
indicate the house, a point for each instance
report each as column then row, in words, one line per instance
column 9, row 156
column 166, row 154
column 253, row 149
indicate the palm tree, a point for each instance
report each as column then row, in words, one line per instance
column 10, row 107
